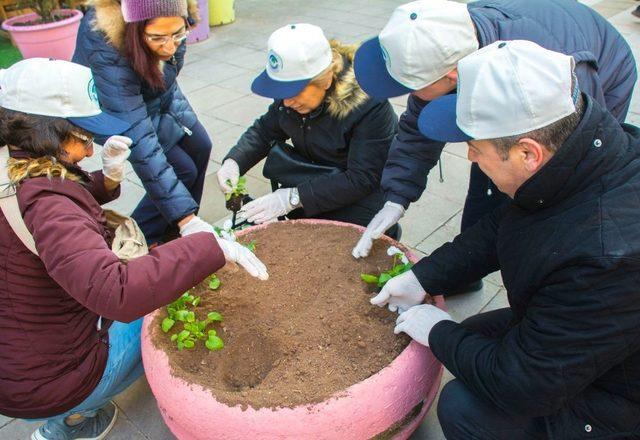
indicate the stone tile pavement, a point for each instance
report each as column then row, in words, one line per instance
column 216, row 78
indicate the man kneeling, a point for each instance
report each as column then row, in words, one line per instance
column 563, row 361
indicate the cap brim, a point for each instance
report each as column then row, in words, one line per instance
column 101, row 124
column 268, row 87
column 437, row 120
column 372, row 74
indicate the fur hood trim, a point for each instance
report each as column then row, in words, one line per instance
column 345, row 94
column 22, row 169
column 110, row 21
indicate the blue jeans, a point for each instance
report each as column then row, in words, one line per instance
column 124, row 366
column 189, row 160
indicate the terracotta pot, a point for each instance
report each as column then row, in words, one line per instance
column 50, row 40
column 393, row 401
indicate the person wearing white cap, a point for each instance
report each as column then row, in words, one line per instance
column 339, row 136
column 563, row 360
column 76, row 280
column 417, row 52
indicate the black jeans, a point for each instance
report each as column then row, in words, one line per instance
column 189, row 160
column 464, row 416
column 482, row 198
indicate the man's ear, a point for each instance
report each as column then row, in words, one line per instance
column 452, row 76
column 534, row 155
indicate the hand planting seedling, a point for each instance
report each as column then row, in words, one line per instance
column 193, row 330
column 400, row 265
column 235, row 197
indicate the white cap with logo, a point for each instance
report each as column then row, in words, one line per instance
column 57, row 88
column 296, row 54
column 504, row 89
column 421, row 42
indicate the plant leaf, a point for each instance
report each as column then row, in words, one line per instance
column 167, row 323
column 181, row 315
column 252, row 246
column 367, row 278
column 184, row 334
column 196, row 301
column 174, row 337
column 191, row 317
column 214, row 282
column 214, row 343
column 189, row 344
column 214, row 316
column 384, row 277
column 212, row 333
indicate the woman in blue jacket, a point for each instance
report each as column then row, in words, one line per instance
column 136, row 50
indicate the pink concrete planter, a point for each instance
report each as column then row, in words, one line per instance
column 362, row 411
column 201, row 31
column 50, row 40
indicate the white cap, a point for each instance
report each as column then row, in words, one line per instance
column 296, row 54
column 421, row 42
column 504, row 89
column 63, row 89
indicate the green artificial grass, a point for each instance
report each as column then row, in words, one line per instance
column 8, row 54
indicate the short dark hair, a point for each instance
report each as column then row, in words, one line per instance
column 36, row 135
column 552, row 136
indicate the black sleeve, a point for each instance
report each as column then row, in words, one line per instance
column 255, row 143
column 411, row 157
column 368, row 150
column 579, row 324
column 471, row 256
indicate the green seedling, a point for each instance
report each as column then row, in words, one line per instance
column 214, row 282
column 398, row 267
column 239, row 190
column 252, row 246
column 193, row 329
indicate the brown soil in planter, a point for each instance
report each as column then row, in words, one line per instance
column 303, row 335
column 39, row 21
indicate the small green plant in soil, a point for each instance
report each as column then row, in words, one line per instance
column 46, row 9
column 193, row 329
column 400, row 265
column 234, row 198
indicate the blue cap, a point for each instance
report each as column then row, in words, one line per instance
column 268, row 87
column 437, row 120
column 372, row 74
column 101, row 124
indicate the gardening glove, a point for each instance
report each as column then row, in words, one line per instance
column 269, row 207
column 232, row 251
column 400, row 293
column 115, row 152
column 385, row 218
column 229, row 171
column 418, row 322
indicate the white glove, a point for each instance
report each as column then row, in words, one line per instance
column 385, row 218
column 418, row 322
column 269, row 207
column 401, row 293
column 232, row 251
column 228, row 171
column 115, row 152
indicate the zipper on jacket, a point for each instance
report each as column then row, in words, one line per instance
column 184, row 127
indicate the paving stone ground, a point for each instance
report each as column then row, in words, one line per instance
column 216, row 78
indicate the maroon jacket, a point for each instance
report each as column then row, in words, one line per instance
column 51, row 354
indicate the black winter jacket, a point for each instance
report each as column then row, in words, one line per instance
column 349, row 131
column 568, row 247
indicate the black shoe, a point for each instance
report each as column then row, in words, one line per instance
column 636, row 12
column 468, row 288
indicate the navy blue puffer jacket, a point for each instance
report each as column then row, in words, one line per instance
column 159, row 118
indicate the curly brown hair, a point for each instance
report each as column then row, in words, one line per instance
column 36, row 135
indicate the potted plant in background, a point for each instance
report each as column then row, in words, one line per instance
column 49, row 32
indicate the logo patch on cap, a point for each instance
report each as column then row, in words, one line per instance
column 275, row 62
column 92, row 91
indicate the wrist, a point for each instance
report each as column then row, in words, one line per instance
column 185, row 220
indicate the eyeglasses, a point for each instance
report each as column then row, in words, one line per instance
column 88, row 141
column 161, row 40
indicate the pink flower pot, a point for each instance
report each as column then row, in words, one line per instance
column 50, row 40
column 201, row 31
column 371, row 407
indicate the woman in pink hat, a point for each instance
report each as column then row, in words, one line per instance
column 136, row 49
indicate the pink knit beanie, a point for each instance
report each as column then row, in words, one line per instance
column 139, row 10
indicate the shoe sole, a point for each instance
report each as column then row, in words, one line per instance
column 36, row 434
